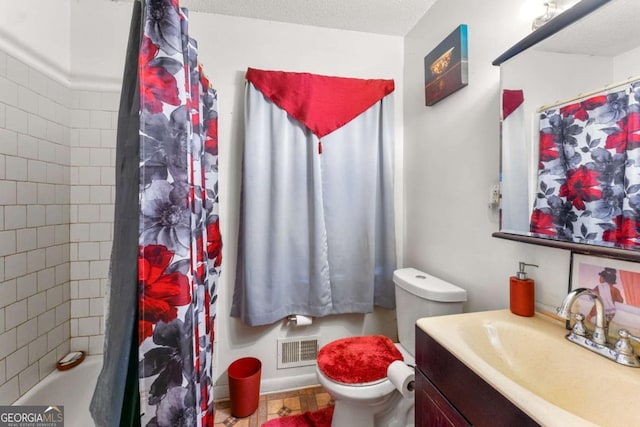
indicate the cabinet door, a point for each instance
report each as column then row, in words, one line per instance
column 481, row 404
column 432, row 408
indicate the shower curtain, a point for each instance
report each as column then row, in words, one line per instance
column 589, row 170
column 158, row 343
column 317, row 225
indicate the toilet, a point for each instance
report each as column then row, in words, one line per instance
column 356, row 376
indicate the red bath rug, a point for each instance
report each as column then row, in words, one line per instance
column 319, row 418
column 358, row 360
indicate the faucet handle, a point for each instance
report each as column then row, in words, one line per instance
column 624, row 343
column 626, row 353
column 626, row 336
column 633, row 337
column 578, row 327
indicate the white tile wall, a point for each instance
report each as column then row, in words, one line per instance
column 34, row 142
column 56, row 212
column 92, row 179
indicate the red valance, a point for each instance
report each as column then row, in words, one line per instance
column 322, row 103
column 511, row 99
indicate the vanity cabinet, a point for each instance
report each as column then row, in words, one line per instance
column 432, row 408
column 448, row 393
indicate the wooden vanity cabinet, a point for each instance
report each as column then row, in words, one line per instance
column 432, row 408
column 448, row 393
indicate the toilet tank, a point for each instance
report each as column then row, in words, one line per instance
column 418, row 295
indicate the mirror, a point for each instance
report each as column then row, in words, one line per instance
column 586, row 49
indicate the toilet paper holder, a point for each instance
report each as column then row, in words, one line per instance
column 299, row 319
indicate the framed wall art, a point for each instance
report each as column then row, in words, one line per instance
column 446, row 67
column 618, row 284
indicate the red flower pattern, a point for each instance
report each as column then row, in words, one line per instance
column 582, row 186
column 542, row 223
column 157, row 85
column 211, row 142
column 160, row 292
column 633, row 131
column 548, row 148
column 625, row 233
column 579, row 110
column 165, row 299
column 214, row 242
column 618, row 140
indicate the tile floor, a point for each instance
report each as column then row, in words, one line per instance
column 274, row 405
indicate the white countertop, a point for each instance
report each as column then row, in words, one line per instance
column 529, row 361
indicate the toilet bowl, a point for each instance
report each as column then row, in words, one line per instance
column 373, row 403
column 371, row 399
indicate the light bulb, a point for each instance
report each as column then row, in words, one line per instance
column 531, row 9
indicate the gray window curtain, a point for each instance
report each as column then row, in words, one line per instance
column 317, row 229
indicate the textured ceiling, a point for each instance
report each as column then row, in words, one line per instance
column 618, row 20
column 609, row 31
column 391, row 17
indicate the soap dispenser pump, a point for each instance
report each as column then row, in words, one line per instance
column 522, row 292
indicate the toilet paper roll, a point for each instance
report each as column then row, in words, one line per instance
column 301, row 320
column 402, row 377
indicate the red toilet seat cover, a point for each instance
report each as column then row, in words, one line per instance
column 358, row 360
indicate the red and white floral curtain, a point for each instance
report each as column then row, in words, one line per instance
column 159, row 341
column 179, row 240
column 589, row 170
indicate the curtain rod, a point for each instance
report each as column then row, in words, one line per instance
column 587, row 94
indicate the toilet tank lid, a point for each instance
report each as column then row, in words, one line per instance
column 427, row 286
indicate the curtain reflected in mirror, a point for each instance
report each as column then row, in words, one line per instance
column 588, row 187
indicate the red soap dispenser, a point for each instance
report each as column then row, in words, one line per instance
column 522, row 292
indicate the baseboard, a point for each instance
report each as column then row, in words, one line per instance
column 274, row 385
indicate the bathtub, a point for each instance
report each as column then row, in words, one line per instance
column 72, row 389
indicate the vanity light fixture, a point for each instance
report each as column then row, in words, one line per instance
column 550, row 12
column 539, row 12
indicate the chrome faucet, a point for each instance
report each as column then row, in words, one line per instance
column 621, row 352
column 600, row 332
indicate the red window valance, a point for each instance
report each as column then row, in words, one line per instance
column 322, row 103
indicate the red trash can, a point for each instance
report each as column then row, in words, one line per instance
column 244, row 386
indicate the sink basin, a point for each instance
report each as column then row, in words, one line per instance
column 528, row 360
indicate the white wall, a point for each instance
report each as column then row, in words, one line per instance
column 451, row 157
column 626, row 65
column 37, row 32
column 99, row 35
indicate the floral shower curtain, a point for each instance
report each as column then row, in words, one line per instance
column 589, row 170
column 178, row 243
